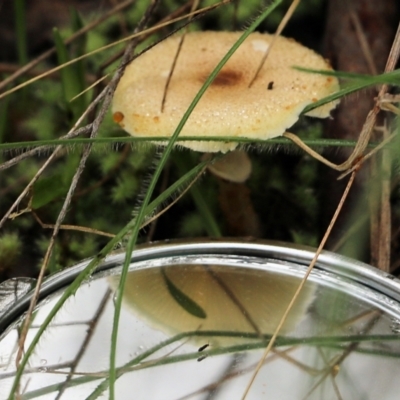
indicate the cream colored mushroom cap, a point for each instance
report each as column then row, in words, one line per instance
column 229, row 107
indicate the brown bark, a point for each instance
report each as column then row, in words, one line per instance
column 359, row 35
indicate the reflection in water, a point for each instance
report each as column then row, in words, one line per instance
column 192, row 331
column 187, row 298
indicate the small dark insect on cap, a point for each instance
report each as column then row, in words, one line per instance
column 203, row 347
column 270, row 85
column 202, row 357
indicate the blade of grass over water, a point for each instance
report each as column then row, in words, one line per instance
column 254, row 343
column 150, row 190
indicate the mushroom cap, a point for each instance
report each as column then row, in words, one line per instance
column 228, row 107
column 229, row 299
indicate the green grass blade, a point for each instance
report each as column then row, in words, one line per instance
column 71, row 78
column 79, row 48
column 390, row 78
column 361, row 82
column 156, row 175
column 107, row 142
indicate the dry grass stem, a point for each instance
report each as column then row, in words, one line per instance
column 279, row 30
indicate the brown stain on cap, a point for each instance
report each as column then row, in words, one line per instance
column 225, row 78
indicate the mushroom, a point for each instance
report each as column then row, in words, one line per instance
column 182, row 298
column 229, row 107
column 234, row 197
column 234, row 167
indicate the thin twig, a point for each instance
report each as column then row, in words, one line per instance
column 89, row 335
column 368, row 155
column 370, row 121
column 60, row 218
column 169, row 17
column 56, row 151
column 147, row 222
column 71, row 227
column 29, row 185
column 385, row 221
column 41, row 149
column 380, row 225
column 195, row 4
column 363, row 42
column 279, row 30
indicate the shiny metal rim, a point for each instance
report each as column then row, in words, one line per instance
column 343, row 267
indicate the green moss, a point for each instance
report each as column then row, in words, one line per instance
column 10, row 250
